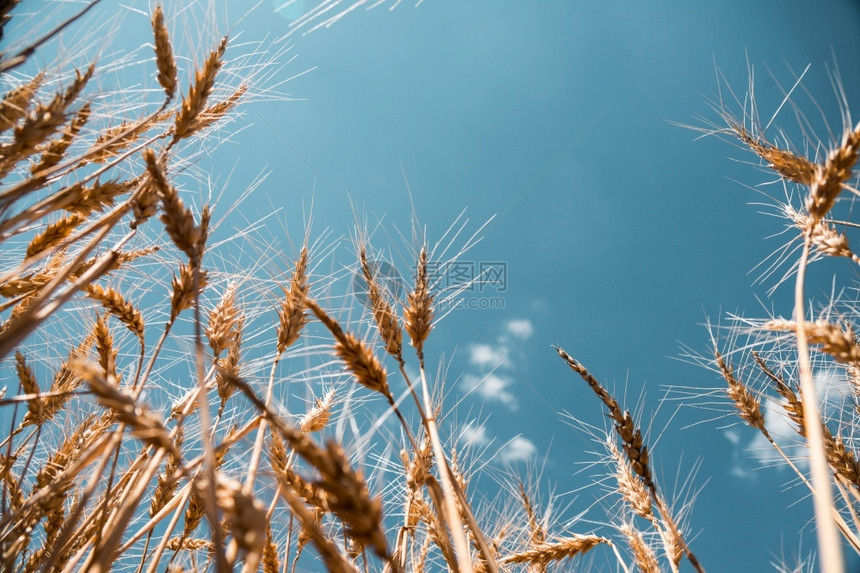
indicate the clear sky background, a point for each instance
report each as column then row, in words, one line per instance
column 621, row 234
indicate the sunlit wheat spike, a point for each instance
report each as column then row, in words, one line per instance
column 228, row 368
column 29, row 385
column 347, row 494
column 747, row 404
column 310, row 492
column 245, row 519
column 825, row 238
column 198, row 94
column 357, row 356
column 114, row 303
column 177, row 543
column 66, row 451
column 167, row 480
column 271, row 562
column 839, row 343
column 315, row 419
column 13, row 490
column 144, row 204
column 41, row 123
column 644, row 556
column 177, row 219
column 54, row 151
column 332, row 558
column 348, row 497
column 788, row 164
column 119, row 261
column 113, row 140
column 547, row 553
column 418, row 466
column 66, row 380
column 537, row 534
column 30, row 282
column 383, row 314
column 194, row 512
column 841, row 459
column 837, row 169
column 15, row 103
column 222, row 321
column 53, row 234
column 105, row 348
column 292, row 316
column 95, row 198
column 183, row 295
column 418, row 314
column 630, row 486
column 792, row 404
column 631, row 436
column 215, row 112
column 164, row 59
column 144, row 424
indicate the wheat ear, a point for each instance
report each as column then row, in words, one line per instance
column 164, row 59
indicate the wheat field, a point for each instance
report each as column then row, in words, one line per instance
column 182, row 392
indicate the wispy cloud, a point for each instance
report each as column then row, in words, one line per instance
column 519, row 449
column 491, row 387
column 493, row 378
column 474, row 434
column 521, row 328
column 493, row 364
column 487, row 357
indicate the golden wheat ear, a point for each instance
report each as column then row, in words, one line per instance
column 164, row 60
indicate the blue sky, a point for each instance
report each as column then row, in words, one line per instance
column 620, row 233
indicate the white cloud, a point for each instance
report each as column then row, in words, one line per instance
column 519, row 449
column 491, row 387
column 834, row 390
column 474, row 434
column 486, row 356
column 521, row 328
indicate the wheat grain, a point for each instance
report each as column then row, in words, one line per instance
column 53, row 234
column 631, row 436
column 291, row 314
column 317, row 417
column 746, row 403
column 164, row 59
column 198, row 93
column 359, row 359
column 383, row 313
column 145, row 425
column 16, row 101
column 54, row 151
column 644, row 556
column 114, row 303
column 215, row 112
column 418, row 314
column 183, row 294
column 832, row 176
column 178, row 221
column 629, row 485
column 221, row 330
column 839, row 343
column 547, row 553
column 788, row 164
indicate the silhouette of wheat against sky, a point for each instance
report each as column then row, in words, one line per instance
column 613, row 232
